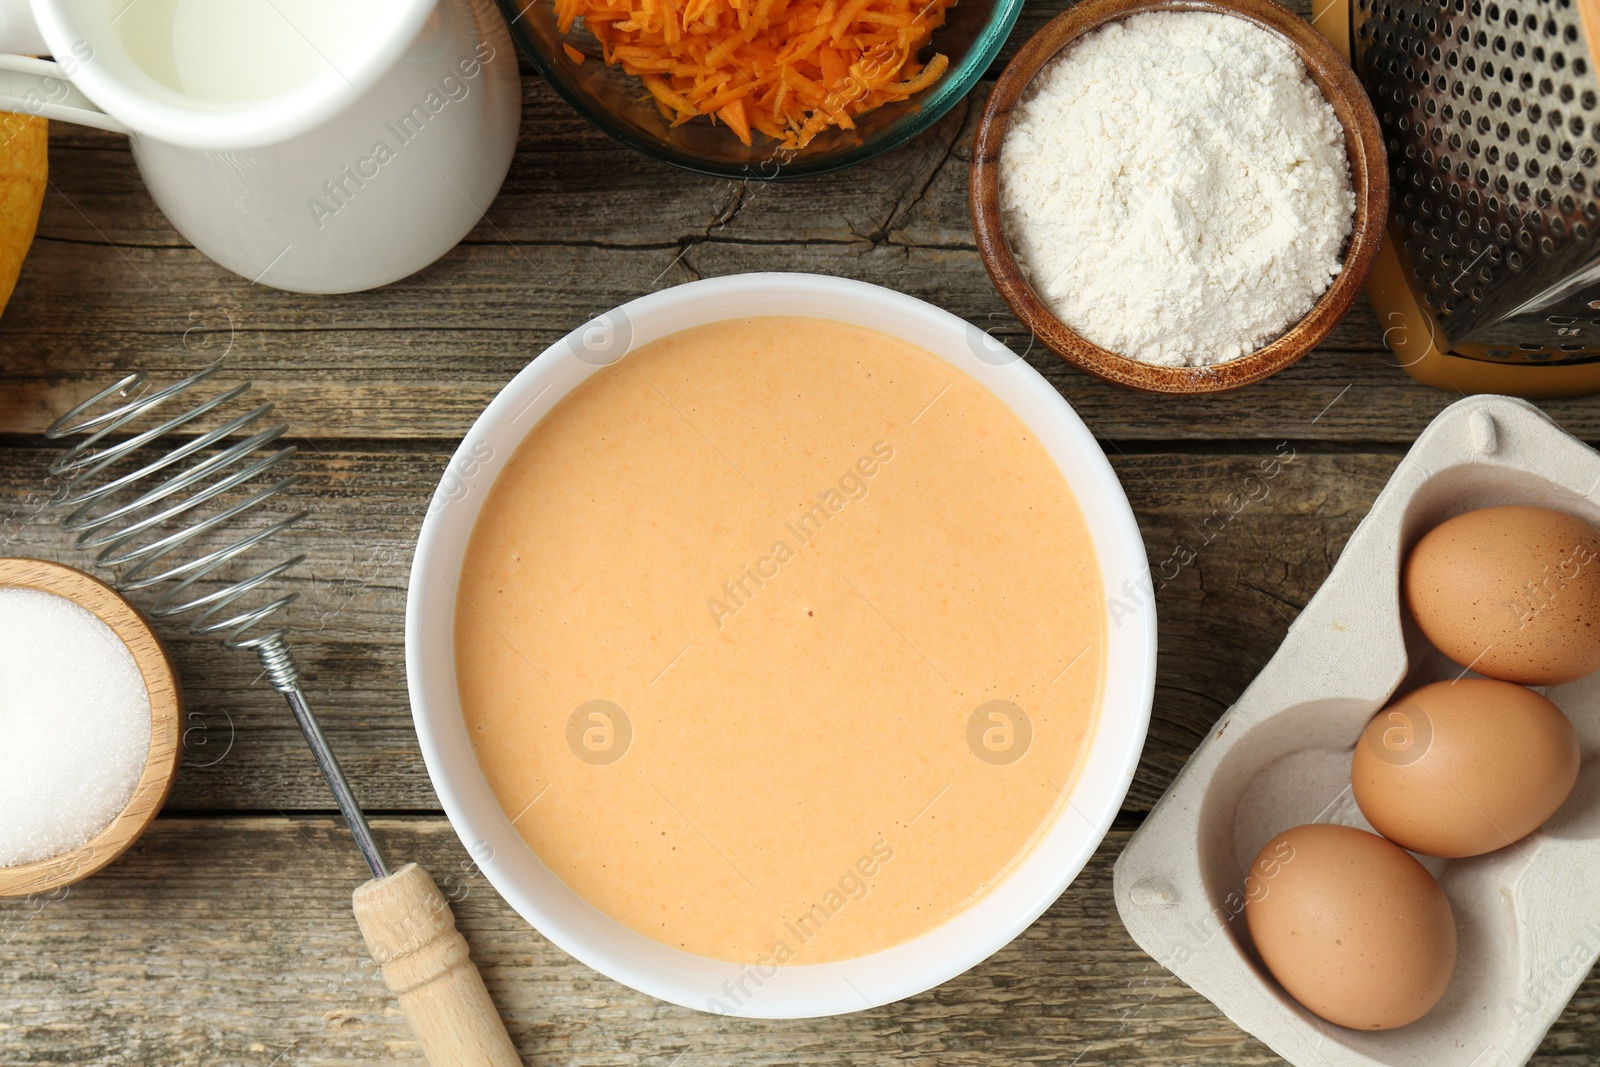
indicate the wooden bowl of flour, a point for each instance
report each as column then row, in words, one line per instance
column 1368, row 176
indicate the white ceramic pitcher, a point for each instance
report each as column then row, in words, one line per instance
column 319, row 146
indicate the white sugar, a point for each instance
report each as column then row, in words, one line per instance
column 74, row 725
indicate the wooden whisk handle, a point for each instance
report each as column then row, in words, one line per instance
column 412, row 935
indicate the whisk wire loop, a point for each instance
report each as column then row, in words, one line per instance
column 98, row 427
column 137, row 534
column 142, row 535
column 81, row 522
column 89, row 462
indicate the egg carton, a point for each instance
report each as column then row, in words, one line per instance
column 1527, row 916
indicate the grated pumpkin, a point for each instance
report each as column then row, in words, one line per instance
column 786, row 69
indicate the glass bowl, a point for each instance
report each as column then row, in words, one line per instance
column 617, row 103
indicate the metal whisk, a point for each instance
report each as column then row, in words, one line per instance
column 134, row 534
column 151, row 525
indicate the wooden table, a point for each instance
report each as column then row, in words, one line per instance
column 225, row 935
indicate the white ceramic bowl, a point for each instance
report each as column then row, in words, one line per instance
column 671, row 974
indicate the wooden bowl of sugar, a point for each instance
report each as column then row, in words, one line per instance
column 1064, row 248
column 91, row 714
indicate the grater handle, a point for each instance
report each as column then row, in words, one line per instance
column 412, row 935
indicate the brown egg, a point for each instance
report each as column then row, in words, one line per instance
column 1463, row 768
column 1511, row 592
column 1351, row 925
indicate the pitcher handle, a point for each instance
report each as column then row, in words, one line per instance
column 37, row 87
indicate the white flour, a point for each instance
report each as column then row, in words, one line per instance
column 1176, row 188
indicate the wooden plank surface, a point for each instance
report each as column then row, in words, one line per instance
column 225, row 937
column 259, row 962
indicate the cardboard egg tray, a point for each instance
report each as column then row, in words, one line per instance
column 1527, row 916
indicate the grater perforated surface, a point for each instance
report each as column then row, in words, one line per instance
column 1491, row 111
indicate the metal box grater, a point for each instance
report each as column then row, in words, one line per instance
column 1490, row 280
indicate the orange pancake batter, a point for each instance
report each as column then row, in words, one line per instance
column 780, row 640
